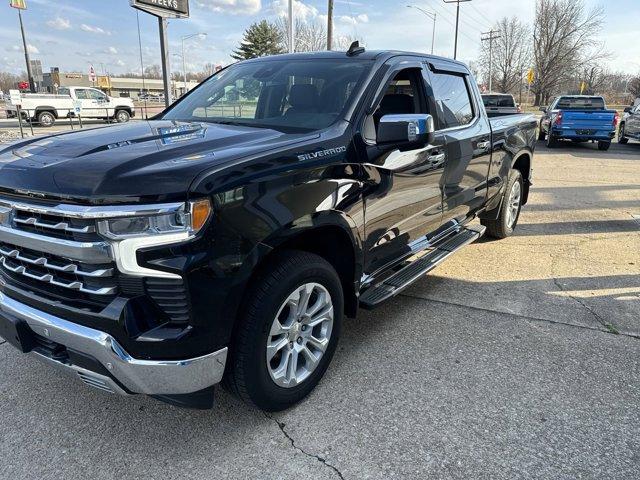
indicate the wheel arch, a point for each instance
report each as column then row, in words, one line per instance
column 523, row 163
column 46, row 108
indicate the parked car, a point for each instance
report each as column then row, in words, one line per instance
column 499, row 104
column 162, row 257
column 45, row 109
column 579, row 118
column 630, row 125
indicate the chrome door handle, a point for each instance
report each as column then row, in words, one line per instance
column 437, row 159
column 483, row 145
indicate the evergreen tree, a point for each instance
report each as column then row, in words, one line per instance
column 259, row 40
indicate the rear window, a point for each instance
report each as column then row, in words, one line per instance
column 580, row 103
column 498, row 101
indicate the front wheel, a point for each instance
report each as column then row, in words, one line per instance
column 621, row 133
column 541, row 135
column 603, row 145
column 122, row 116
column 505, row 224
column 287, row 331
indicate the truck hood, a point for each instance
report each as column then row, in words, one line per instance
column 148, row 161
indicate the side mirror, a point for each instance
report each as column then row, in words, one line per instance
column 417, row 129
column 543, row 109
column 628, row 109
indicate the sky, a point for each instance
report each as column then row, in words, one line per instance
column 73, row 34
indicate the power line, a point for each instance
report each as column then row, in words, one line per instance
column 491, row 22
column 468, row 23
column 451, row 22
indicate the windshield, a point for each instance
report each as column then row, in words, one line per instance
column 580, row 103
column 297, row 96
column 498, row 101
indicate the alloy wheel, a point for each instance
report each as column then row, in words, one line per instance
column 513, row 205
column 299, row 335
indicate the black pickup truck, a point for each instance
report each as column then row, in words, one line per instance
column 226, row 239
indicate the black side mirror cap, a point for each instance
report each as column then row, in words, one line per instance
column 628, row 109
column 404, row 129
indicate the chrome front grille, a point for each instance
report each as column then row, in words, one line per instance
column 69, row 228
column 57, row 271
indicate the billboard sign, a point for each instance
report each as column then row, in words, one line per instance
column 163, row 8
column 21, row 4
column 92, row 74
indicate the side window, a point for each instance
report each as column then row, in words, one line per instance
column 452, row 98
column 403, row 95
column 82, row 94
column 96, row 95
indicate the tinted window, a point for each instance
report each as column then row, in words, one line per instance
column 580, row 103
column 453, row 101
column 64, row 91
column 299, row 95
column 498, row 101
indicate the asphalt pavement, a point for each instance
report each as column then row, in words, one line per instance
column 517, row 358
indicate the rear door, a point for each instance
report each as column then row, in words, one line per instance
column 462, row 123
column 632, row 126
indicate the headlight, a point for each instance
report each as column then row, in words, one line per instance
column 188, row 218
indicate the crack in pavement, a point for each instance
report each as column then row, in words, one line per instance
column 524, row 317
column 293, row 444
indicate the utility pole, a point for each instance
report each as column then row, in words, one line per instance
column 455, row 45
column 431, row 16
column 330, row 26
column 490, row 37
column 292, row 48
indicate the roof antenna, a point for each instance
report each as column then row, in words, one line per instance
column 355, row 49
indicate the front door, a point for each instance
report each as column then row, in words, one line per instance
column 468, row 144
column 403, row 200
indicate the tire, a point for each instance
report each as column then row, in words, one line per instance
column 259, row 380
column 46, row 119
column 551, row 141
column 541, row 135
column 621, row 137
column 507, row 220
column 122, row 116
column 603, row 145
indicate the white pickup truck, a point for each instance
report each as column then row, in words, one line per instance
column 45, row 109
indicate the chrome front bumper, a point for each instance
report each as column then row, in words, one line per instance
column 150, row 377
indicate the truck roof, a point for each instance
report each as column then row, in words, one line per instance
column 381, row 55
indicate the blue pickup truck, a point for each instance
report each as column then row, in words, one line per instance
column 579, row 118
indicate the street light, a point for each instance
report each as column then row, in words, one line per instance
column 184, row 66
column 432, row 16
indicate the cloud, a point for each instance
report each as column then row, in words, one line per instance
column 33, row 49
column 59, row 23
column 348, row 20
column 111, row 50
column 301, row 10
column 234, row 7
column 92, row 29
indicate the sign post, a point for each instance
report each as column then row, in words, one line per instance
column 164, row 9
column 22, row 5
column 15, row 98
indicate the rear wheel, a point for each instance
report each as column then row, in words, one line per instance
column 507, row 220
column 541, row 135
column 287, row 332
column 46, row 119
column 621, row 133
column 551, row 141
column 603, row 145
column 122, row 116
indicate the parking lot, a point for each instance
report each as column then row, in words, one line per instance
column 514, row 359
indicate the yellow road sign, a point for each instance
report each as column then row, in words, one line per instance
column 531, row 76
column 21, row 4
column 583, row 86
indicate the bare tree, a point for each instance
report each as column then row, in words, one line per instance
column 565, row 39
column 511, row 55
column 310, row 36
column 9, row 81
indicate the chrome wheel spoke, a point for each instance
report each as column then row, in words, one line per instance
column 310, row 358
column 275, row 347
column 317, row 343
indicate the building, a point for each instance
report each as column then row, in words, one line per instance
column 113, row 86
